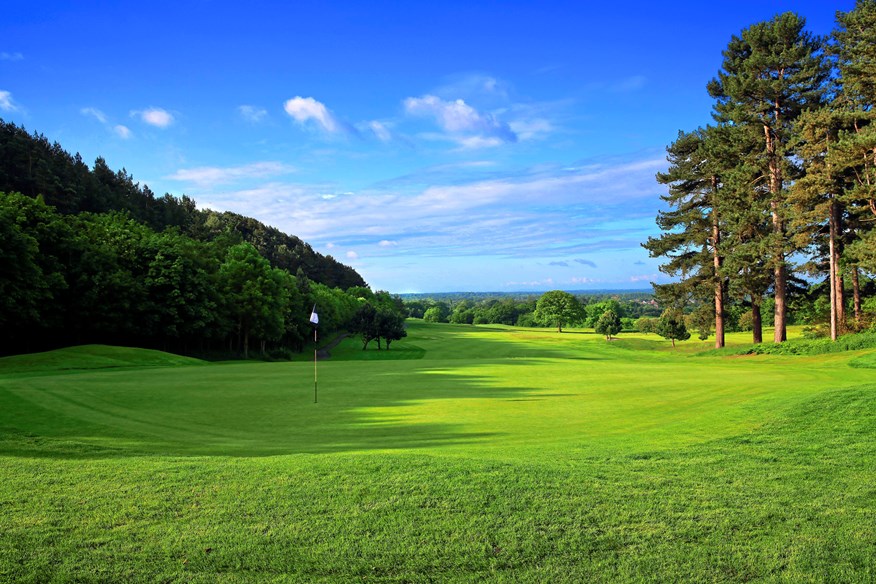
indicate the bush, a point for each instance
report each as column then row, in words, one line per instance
column 854, row 342
column 526, row 320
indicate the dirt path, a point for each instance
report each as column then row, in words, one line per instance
column 325, row 352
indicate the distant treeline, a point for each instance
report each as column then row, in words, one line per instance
column 33, row 166
column 513, row 310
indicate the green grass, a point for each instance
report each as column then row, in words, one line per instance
column 462, row 454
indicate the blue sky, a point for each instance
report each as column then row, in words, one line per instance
column 482, row 146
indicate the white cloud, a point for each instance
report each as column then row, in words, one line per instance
column 122, row 132
column 302, row 109
column 380, row 130
column 646, row 277
column 531, row 129
column 155, row 116
column 532, row 283
column 352, row 255
column 252, row 113
column 387, row 243
column 95, row 113
column 6, row 102
column 209, row 176
column 11, row 56
column 474, row 142
column 462, row 121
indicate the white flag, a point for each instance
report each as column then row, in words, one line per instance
column 314, row 318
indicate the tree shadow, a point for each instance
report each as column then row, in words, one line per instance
column 256, row 410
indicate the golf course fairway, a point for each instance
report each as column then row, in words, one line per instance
column 464, row 454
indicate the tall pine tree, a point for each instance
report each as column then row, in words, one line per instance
column 772, row 72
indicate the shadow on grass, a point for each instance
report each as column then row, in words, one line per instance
column 241, row 410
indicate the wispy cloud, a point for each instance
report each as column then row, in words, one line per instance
column 380, row 131
column 94, row 113
column 119, row 130
column 486, row 90
column 585, row 263
column 155, row 116
column 211, row 176
column 305, row 109
column 462, row 122
column 6, row 102
column 531, row 283
column 559, row 264
column 122, row 132
column 534, row 214
column 4, row 56
column 252, row 113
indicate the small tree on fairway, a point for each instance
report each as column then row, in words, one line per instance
column 608, row 324
column 671, row 326
column 557, row 308
column 365, row 323
column 391, row 327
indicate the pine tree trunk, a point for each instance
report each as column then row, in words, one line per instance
column 781, row 279
column 246, row 344
column 834, row 322
column 838, row 278
column 719, row 284
column 856, row 291
column 756, row 323
column 780, row 273
column 840, row 302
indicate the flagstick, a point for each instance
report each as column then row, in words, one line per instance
column 314, row 364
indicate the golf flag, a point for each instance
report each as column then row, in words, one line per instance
column 314, row 318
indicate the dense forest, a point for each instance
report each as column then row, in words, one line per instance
column 90, row 256
column 776, row 202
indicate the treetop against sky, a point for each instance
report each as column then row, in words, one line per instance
column 460, row 145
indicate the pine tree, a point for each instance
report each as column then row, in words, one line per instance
column 694, row 227
column 772, row 72
column 855, row 154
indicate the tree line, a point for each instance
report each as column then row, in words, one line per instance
column 581, row 309
column 783, row 184
column 107, row 278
